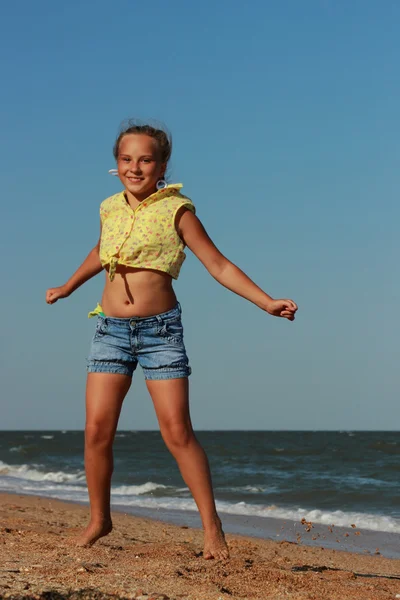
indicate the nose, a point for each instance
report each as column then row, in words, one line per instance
column 135, row 168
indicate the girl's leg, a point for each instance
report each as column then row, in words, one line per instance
column 171, row 402
column 105, row 393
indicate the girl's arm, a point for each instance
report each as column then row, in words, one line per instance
column 90, row 267
column 224, row 271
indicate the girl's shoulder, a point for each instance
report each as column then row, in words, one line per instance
column 115, row 199
column 111, row 203
column 178, row 200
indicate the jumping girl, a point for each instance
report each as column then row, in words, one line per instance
column 144, row 231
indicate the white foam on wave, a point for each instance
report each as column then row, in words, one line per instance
column 335, row 517
column 47, row 437
column 74, row 493
column 26, row 472
column 249, row 489
column 338, row 518
column 71, row 486
column 16, row 449
column 350, row 481
column 137, row 490
column 138, row 496
column 155, row 503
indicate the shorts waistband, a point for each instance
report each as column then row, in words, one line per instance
column 173, row 313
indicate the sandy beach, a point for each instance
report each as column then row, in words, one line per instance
column 143, row 558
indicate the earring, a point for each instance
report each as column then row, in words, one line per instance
column 113, row 172
column 161, row 184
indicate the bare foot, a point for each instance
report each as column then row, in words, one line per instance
column 215, row 545
column 93, row 532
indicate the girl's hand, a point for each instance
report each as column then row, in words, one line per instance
column 282, row 308
column 54, row 294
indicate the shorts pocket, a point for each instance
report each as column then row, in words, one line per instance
column 101, row 327
column 172, row 331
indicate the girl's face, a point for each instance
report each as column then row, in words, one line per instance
column 139, row 164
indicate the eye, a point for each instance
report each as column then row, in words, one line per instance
column 125, row 159
column 147, row 160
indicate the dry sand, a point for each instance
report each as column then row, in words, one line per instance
column 147, row 559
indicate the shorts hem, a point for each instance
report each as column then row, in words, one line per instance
column 167, row 374
column 109, row 368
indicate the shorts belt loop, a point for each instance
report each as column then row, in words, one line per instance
column 179, row 308
column 159, row 319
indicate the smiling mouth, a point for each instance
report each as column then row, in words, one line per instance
column 135, row 179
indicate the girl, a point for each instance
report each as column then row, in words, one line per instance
column 144, row 230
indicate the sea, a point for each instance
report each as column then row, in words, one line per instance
column 337, row 489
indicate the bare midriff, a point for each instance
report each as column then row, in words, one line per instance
column 137, row 293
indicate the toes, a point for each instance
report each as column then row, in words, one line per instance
column 222, row 554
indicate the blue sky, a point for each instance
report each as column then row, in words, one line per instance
column 285, row 124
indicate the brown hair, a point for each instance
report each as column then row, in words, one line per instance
column 160, row 134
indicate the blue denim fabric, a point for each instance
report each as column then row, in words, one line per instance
column 156, row 343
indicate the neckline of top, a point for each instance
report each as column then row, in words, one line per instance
column 152, row 197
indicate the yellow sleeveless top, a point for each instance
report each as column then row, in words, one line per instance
column 146, row 237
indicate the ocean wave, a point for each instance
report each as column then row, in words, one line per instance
column 37, row 488
column 29, row 473
column 385, row 447
column 347, row 481
column 71, row 486
column 138, row 490
column 337, row 518
column 334, row 517
column 247, row 489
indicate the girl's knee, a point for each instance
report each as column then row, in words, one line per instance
column 98, row 435
column 177, row 435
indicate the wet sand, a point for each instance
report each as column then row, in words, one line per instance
column 144, row 558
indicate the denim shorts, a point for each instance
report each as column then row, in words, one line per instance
column 156, row 343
